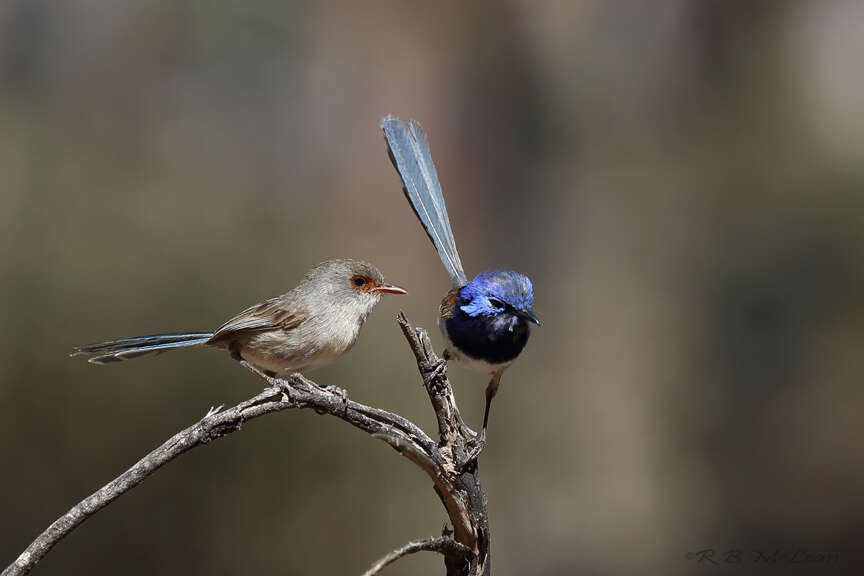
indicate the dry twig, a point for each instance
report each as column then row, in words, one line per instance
column 442, row 545
column 455, row 481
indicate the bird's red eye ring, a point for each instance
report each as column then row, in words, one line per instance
column 358, row 281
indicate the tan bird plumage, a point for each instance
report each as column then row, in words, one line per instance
column 311, row 325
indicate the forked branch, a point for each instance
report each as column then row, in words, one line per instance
column 467, row 552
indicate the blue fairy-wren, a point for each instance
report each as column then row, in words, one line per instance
column 485, row 322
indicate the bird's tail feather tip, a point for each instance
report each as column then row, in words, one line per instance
column 127, row 348
column 408, row 148
column 388, row 119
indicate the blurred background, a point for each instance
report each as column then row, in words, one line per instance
column 681, row 179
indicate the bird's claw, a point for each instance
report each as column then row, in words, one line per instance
column 338, row 391
column 213, row 410
column 467, row 433
column 342, row 393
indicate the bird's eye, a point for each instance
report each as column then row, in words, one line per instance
column 495, row 303
column 358, row 281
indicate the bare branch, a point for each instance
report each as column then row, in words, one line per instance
column 211, row 427
column 466, row 553
column 433, row 370
column 442, row 545
column 295, row 392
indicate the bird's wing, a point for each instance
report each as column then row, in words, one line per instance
column 409, row 152
column 273, row 314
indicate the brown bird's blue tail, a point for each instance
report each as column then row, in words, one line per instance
column 128, row 348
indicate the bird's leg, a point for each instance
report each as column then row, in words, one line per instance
column 267, row 375
column 235, row 354
column 480, row 443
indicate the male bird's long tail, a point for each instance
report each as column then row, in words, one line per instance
column 409, row 152
column 128, row 348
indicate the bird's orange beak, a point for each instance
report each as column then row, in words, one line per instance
column 389, row 289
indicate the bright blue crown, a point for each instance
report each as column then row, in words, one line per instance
column 509, row 287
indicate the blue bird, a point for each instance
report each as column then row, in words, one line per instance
column 485, row 322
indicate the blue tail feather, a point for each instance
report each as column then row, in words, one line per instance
column 409, row 151
column 128, row 348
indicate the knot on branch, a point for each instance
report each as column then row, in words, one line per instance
column 220, row 429
column 434, row 374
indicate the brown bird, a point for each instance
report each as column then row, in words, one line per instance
column 312, row 325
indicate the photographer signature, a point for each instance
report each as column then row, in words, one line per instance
column 765, row 556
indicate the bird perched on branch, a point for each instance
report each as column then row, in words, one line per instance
column 312, row 325
column 485, row 322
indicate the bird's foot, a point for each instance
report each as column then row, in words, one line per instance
column 467, row 433
column 213, row 410
column 342, row 393
column 433, row 370
column 477, row 445
column 270, row 377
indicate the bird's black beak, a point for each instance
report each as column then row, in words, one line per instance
column 528, row 315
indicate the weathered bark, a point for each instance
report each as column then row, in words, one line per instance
column 466, row 552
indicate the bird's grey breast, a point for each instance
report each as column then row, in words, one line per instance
column 329, row 327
